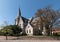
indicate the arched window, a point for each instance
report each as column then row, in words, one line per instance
column 29, row 31
column 28, row 26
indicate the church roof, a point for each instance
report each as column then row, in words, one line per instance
column 24, row 19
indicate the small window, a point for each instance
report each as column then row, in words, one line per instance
column 29, row 31
column 28, row 26
column 20, row 24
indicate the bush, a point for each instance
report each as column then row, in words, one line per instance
column 11, row 30
column 57, row 34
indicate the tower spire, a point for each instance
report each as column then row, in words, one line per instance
column 19, row 12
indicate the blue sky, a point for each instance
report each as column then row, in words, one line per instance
column 9, row 8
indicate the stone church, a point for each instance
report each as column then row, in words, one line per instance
column 28, row 26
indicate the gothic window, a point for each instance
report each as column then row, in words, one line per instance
column 20, row 24
column 29, row 31
column 28, row 26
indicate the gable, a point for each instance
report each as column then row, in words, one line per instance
column 29, row 29
column 29, row 26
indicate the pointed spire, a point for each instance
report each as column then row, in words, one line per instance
column 19, row 13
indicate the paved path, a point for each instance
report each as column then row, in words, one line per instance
column 9, row 37
column 28, row 38
column 29, row 41
column 3, row 39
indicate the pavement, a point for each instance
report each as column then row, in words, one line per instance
column 29, row 41
column 8, row 37
column 26, row 39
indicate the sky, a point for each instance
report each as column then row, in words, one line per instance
column 9, row 8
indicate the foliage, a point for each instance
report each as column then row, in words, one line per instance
column 11, row 30
column 57, row 34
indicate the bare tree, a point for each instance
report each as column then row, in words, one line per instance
column 47, row 17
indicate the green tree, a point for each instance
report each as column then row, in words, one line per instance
column 11, row 30
column 16, row 30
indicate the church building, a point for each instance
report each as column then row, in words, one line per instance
column 24, row 24
column 28, row 26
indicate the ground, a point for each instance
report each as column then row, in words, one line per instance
column 28, row 39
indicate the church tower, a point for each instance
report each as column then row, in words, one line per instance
column 18, row 17
column 19, row 20
column 19, row 13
